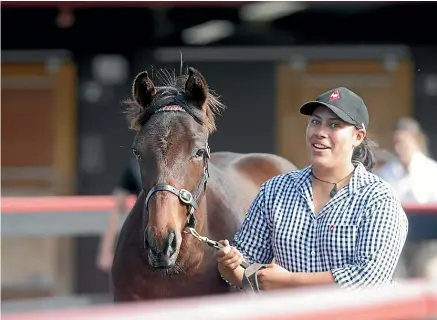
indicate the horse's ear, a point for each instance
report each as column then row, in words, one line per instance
column 143, row 89
column 196, row 89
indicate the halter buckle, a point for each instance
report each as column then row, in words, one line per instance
column 185, row 196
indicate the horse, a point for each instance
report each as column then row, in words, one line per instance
column 184, row 185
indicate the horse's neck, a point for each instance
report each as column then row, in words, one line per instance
column 223, row 216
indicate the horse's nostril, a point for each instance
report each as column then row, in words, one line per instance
column 149, row 243
column 172, row 243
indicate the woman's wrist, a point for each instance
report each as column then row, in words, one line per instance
column 302, row 279
column 232, row 276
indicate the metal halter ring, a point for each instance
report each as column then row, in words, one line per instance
column 185, row 196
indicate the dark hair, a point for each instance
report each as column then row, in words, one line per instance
column 365, row 154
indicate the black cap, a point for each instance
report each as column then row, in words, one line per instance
column 346, row 104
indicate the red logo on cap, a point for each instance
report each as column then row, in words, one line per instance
column 334, row 96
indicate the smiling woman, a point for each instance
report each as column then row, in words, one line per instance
column 336, row 136
column 331, row 222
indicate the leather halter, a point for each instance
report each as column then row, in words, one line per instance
column 185, row 196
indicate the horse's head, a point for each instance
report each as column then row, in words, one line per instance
column 172, row 122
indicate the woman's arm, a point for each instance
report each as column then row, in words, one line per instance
column 253, row 240
column 381, row 238
column 233, row 277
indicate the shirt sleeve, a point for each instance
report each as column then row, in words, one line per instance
column 381, row 238
column 253, row 240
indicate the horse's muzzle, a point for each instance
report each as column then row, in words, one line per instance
column 161, row 256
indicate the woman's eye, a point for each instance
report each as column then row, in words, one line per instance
column 314, row 121
column 334, row 125
column 136, row 154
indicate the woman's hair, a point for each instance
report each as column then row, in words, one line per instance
column 365, row 154
column 413, row 126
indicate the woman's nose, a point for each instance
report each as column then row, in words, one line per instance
column 321, row 133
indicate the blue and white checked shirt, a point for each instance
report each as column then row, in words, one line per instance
column 358, row 235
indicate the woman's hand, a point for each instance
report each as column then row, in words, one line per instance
column 228, row 256
column 274, row 277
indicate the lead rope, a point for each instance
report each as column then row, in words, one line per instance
column 191, row 223
column 250, row 279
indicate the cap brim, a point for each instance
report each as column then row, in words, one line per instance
column 309, row 107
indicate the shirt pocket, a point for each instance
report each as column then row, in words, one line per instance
column 339, row 244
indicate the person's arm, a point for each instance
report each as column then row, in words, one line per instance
column 253, row 240
column 125, row 186
column 108, row 238
column 381, row 238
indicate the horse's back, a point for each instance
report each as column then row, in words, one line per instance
column 256, row 167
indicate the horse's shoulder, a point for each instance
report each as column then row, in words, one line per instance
column 223, row 159
column 247, row 161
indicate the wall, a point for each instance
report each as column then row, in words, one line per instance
column 425, row 85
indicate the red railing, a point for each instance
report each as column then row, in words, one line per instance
column 102, row 203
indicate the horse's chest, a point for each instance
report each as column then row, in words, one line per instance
column 134, row 286
column 160, row 288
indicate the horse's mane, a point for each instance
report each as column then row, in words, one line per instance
column 167, row 83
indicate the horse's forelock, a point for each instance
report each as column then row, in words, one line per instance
column 138, row 116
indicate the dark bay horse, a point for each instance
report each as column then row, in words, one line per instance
column 183, row 185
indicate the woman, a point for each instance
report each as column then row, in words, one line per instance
column 332, row 222
column 412, row 176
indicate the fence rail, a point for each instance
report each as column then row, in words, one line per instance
column 20, row 205
column 407, row 300
column 88, row 215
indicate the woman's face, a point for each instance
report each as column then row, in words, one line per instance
column 405, row 145
column 330, row 141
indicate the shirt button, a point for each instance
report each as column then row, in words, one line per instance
column 313, row 252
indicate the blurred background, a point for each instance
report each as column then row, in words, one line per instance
column 67, row 67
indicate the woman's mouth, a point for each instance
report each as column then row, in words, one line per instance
column 319, row 146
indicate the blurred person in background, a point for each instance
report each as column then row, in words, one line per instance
column 409, row 174
column 413, row 175
column 129, row 184
column 382, row 157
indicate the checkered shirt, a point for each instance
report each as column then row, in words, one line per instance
column 358, row 235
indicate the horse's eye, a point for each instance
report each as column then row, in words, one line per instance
column 200, row 153
column 136, row 154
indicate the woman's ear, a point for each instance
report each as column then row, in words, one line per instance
column 359, row 135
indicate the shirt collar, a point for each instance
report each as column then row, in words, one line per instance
column 360, row 178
